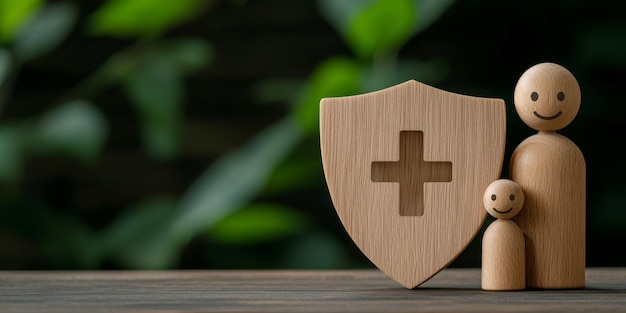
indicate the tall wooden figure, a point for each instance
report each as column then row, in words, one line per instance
column 550, row 169
column 503, row 257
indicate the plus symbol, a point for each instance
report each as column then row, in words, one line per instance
column 411, row 171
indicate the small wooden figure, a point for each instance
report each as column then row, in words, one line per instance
column 550, row 169
column 503, row 257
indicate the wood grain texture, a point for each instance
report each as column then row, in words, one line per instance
column 411, row 172
column 359, row 131
column 503, row 259
column 452, row 290
column 551, row 171
column 503, row 198
column 547, row 97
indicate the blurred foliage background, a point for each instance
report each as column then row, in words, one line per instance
column 153, row 134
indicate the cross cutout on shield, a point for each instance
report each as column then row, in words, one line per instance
column 412, row 172
column 406, row 168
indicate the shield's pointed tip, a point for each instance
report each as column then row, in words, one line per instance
column 408, row 282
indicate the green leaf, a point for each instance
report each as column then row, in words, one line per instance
column 378, row 27
column 302, row 169
column 234, row 179
column 75, row 129
column 49, row 27
column 153, row 233
column 13, row 14
column 7, row 67
column 137, row 18
column 340, row 13
column 10, row 154
column 140, row 239
column 156, row 92
column 295, row 174
column 258, row 223
column 333, row 77
column 189, row 54
column 381, row 27
column 184, row 55
column 152, row 78
column 429, row 11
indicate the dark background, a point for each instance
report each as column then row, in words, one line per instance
column 194, row 142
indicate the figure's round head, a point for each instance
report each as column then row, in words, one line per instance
column 547, row 97
column 503, row 198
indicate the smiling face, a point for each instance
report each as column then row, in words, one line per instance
column 547, row 97
column 503, row 198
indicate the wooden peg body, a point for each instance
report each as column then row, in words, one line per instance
column 550, row 169
column 503, row 260
column 503, row 257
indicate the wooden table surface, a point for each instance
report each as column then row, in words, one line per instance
column 454, row 290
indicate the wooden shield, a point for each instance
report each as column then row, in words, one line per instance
column 407, row 167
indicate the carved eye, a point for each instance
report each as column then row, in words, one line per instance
column 560, row 96
column 512, row 197
column 493, row 197
column 534, row 96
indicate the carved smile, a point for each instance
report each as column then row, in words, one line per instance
column 547, row 118
column 503, row 212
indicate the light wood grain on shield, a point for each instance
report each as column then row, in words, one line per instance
column 411, row 172
column 406, row 168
